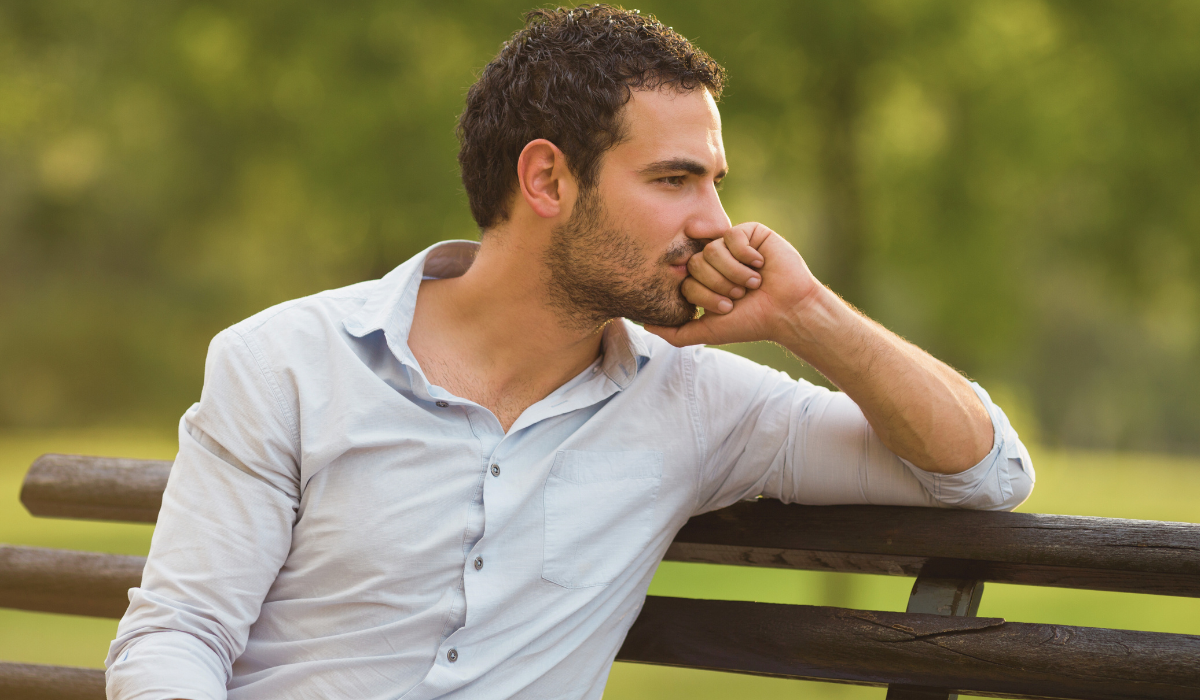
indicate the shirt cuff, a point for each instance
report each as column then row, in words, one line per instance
column 165, row 665
column 1002, row 480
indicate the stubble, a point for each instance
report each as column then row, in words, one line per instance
column 597, row 272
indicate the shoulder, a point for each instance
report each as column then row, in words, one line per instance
column 300, row 327
column 307, row 312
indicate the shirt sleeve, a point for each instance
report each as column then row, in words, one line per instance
column 766, row 434
column 222, row 535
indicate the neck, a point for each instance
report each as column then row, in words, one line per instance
column 496, row 320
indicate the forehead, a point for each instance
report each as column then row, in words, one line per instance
column 665, row 124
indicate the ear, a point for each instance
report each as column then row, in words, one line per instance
column 546, row 183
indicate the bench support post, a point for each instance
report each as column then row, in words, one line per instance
column 939, row 593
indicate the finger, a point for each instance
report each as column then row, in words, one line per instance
column 758, row 233
column 707, row 275
column 739, row 241
column 718, row 255
column 706, row 298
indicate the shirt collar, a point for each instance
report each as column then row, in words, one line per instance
column 624, row 352
column 393, row 301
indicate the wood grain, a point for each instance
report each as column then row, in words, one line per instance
column 62, row 581
column 973, row 655
column 36, row 682
column 1013, row 538
column 95, row 488
column 1139, row 556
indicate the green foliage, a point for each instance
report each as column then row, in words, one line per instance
column 1013, row 185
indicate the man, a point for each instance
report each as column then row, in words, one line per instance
column 457, row 481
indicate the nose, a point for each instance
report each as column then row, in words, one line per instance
column 709, row 221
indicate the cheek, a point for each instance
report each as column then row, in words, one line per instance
column 656, row 222
column 651, row 217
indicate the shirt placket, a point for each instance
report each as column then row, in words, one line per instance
column 452, row 655
column 454, row 663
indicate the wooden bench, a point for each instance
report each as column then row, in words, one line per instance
column 937, row 648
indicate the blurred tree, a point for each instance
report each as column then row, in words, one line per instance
column 1013, row 185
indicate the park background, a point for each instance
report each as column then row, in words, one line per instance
column 1011, row 184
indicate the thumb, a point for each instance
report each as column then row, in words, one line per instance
column 694, row 332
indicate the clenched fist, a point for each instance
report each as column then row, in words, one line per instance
column 752, row 285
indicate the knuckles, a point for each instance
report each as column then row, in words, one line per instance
column 753, row 231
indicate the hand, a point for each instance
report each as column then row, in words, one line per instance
column 752, row 285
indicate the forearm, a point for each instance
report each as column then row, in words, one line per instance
column 921, row 408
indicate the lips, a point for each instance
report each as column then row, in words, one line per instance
column 681, row 261
column 679, row 254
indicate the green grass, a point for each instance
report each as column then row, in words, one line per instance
column 1075, row 483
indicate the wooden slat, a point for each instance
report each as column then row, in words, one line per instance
column 95, row 488
column 61, row 581
column 1106, row 554
column 1140, row 556
column 35, row 682
column 1014, row 538
column 983, row 656
column 979, row 656
column 899, row 565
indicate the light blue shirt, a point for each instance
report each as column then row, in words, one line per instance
column 337, row 527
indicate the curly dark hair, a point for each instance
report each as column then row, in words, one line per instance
column 565, row 77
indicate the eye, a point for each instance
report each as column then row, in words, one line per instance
column 673, row 180
column 720, row 184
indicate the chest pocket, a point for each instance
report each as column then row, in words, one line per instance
column 599, row 514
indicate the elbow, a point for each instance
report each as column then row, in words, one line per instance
column 1001, row 482
column 1013, row 477
column 1021, row 478
column 1016, row 478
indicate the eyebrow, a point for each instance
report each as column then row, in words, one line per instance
column 674, row 165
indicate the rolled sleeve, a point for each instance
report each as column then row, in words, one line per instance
column 1002, row 480
column 167, row 664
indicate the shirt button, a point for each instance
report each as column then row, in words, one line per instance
column 478, row 563
column 442, row 404
column 495, row 470
column 452, row 655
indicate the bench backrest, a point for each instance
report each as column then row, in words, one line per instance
column 936, row 648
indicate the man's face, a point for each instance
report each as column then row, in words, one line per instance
column 625, row 248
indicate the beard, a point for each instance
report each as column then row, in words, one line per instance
column 597, row 272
